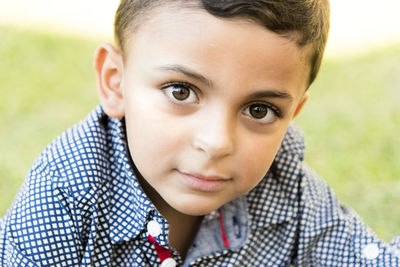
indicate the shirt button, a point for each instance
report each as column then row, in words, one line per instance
column 169, row 262
column 153, row 228
column 370, row 251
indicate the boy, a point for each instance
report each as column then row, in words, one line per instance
column 191, row 159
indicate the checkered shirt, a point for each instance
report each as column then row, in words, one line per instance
column 81, row 205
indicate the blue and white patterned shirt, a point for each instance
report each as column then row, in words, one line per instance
column 81, row 205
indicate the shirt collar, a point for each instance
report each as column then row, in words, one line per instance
column 130, row 207
column 275, row 199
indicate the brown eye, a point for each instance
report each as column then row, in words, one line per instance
column 181, row 93
column 262, row 113
column 258, row 111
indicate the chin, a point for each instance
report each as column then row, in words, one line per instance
column 194, row 208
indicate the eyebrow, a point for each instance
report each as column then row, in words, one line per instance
column 272, row 94
column 187, row 72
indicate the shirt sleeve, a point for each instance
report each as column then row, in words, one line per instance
column 331, row 234
column 38, row 229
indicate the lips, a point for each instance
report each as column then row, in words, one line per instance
column 206, row 183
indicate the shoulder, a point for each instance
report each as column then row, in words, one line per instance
column 331, row 233
column 70, row 169
column 59, row 195
column 315, row 191
column 321, row 212
column 320, row 204
column 79, row 158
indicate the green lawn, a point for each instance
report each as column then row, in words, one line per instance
column 351, row 122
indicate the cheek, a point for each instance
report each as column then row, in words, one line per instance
column 257, row 158
column 150, row 138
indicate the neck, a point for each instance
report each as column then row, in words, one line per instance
column 183, row 229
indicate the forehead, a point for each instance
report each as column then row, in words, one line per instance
column 194, row 37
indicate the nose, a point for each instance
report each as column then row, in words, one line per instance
column 215, row 136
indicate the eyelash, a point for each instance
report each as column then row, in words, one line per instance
column 273, row 108
column 181, row 84
column 193, row 89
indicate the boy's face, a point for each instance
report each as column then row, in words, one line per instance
column 207, row 102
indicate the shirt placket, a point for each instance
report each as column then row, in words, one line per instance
column 155, row 243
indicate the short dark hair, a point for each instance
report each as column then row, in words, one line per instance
column 307, row 20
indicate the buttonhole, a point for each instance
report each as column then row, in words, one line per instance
column 236, row 227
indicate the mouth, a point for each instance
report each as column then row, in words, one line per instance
column 206, row 183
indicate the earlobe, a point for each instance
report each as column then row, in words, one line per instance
column 301, row 104
column 108, row 65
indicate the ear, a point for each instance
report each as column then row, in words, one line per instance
column 108, row 65
column 301, row 104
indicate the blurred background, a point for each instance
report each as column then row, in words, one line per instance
column 351, row 122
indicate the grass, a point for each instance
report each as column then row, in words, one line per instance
column 47, row 83
column 351, row 122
